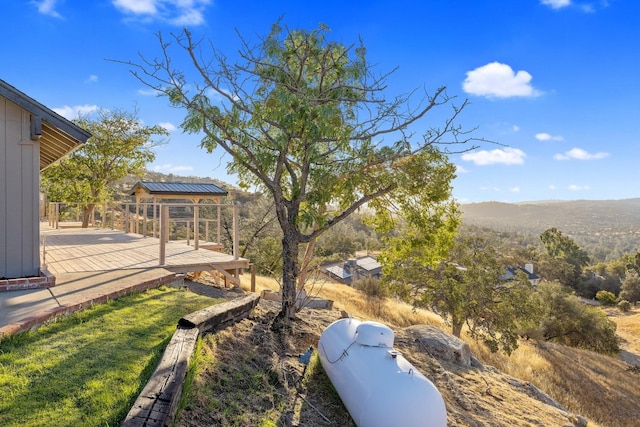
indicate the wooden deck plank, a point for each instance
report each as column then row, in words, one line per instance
column 77, row 250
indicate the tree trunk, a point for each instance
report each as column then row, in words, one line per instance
column 87, row 211
column 290, row 247
column 456, row 328
column 306, row 261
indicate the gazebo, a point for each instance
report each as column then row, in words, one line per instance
column 155, row 192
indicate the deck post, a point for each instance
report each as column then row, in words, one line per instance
column 155, row 208
column 252, row 268
column 125, row 223
column 137, row 226
column 144, row 219
column 219, row 224
column 164, row 232
column 236, row 232
column 196, row 225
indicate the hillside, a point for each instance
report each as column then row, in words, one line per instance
column 593, row 224
column 253, row 376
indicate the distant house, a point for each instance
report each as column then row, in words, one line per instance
column 512, row 272
column 32, row 137
column 353, row 269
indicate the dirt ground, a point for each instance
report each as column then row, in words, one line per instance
column 253, row 377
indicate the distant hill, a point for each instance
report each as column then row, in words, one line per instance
column 605, row 228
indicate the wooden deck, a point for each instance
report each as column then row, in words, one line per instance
column 70, row 250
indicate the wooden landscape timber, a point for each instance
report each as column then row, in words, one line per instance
column 157, row 404
column 219, row 315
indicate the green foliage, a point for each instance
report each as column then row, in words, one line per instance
column 606, row 297
column 569, row 321
column 624, row 306
column 120, row 145
column 371, row 287
column 558, row 245
column 346, row 238
column 561, row 247
column 631, row 287
column 466, row 288
column 307, row 120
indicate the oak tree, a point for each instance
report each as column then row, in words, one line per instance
column 467, row 287
column 119, row 145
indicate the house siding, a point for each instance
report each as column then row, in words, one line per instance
column 19, row 175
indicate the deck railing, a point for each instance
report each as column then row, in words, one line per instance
column 197, row 223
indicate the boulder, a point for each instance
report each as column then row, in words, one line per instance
column 441, row 345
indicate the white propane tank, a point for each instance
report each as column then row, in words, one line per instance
column 377, row 385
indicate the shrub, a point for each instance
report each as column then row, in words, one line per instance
column 606, row 297
column 624, row 306
column 374, row 291
column 570, row 322
column 370, row 286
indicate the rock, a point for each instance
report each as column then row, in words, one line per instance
column 475, row 363
column 441, row 345
column 534, row 392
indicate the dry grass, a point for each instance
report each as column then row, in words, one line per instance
column 602, row 389
column 395, row 313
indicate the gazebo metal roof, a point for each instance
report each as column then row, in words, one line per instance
column 177, row 189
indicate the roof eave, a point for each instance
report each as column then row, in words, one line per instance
column 39, row 110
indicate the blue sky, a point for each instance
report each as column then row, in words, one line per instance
column 555, row 82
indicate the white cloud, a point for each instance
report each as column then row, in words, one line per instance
column 498, row 80
column 590, row 6
column 516, row 128
column 552, row 187
column 137, row 7
column 169, row 168
column 515, row 189
column 580, row 154
column 556, row 4
column 47, row 7
column 175, row 12
column 189, row 17
column 76, row 111
column 574, row 187
column 92, row 79
column 149, row 92
column 506, row 156
column 547, row 137
column 168, row 126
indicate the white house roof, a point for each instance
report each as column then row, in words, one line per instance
column 339, row 272
column 368, row 263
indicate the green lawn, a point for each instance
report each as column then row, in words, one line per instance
column 87, row 369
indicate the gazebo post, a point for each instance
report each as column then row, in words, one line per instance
column 155, row 207
column 164, row 233
column 137, row 227
column 196, row 223
column 219, row 224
